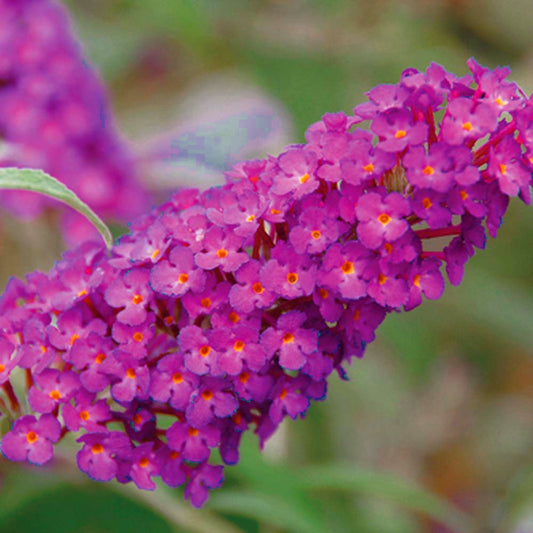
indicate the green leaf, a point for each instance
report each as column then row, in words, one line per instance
column 271, row 509
column 369, row 483
column 264, row 478
column 24, row 179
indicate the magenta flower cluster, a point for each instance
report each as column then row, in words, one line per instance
column 227, row 310
column 55, row 116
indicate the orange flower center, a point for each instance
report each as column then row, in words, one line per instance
column 205, row 302
column 467, row 126
column 99, row 359
column 347, row 267
column 177, row 377
column 97, row 448
column 137, row 299
column 429, row 171
column 205, row 351
column 31, row 437
column 130, row 373
column 183, row 278
column 316, row 234
column 193, row 432
column 207, row 395
column 382, row 279
column 84, row 415
column 292, row 278
column 416, row 280
column 288, row 338
column 222, row 253
column 304, row 178
column 384, row 218
column 55, row 395
column 369, row 168
column 138, row 336
column 144, row 462
column 426, row 203
column 238, row 346
column 244, row 377
column 400, row 134
column 258, row 288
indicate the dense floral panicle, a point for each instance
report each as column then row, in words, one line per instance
column 55, row 115
column 228, row 310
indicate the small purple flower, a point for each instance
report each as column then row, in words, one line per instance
column 145, row 464
column 381, row 218
column 102, row 454
column 51, row 389
column 429, row 171
column 200, row 357
column 131, row 293
column 343, row 268
column 88, row 413
column 296, row 173
column 387, row 285
column 287, row 398
column 249, row 292
column 130, row 378
column 191, row 442
column 239, row 346
column 463, row 121
column 210, row 402
column 289, row 274
column 397, row 131
column 426, row 279
column 205, row 478
column 292, row 342
column 428, row 205
column 31, row 439
column 171, row 383
column 506, row 167
column 222, row 250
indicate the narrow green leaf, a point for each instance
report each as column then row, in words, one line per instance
column 273, row 510
column 25, row 179
column 369, row 483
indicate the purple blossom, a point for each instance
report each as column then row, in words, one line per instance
column 261, row 288
column 222, row 250
column 381, row 218
column 103, row 453
column 396, row 130
column 130, row 292
column 290, row 341
column 31, row 439
column 55, row 115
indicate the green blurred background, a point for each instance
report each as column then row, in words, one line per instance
column 434, row 430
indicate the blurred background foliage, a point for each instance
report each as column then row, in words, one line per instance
column 434, row 430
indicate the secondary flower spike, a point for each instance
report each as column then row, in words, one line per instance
column 227, row 310
column 55, row 115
